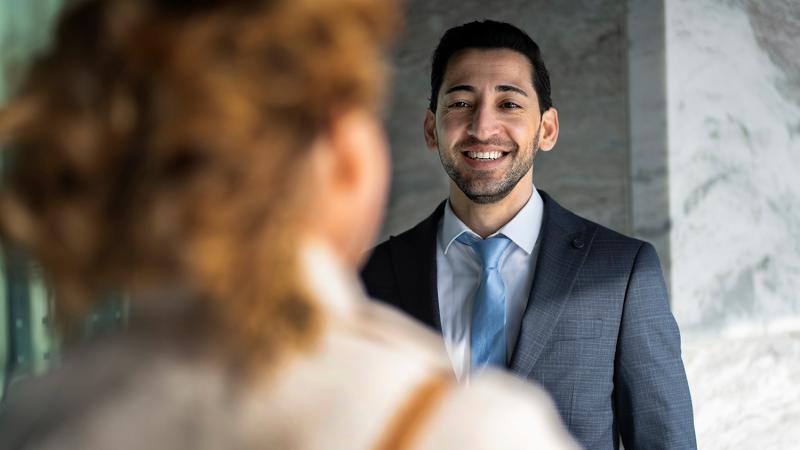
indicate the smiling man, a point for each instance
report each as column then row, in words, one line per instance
column 512, row 279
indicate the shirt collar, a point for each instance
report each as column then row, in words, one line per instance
column 522, row 229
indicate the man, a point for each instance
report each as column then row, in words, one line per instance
column 511, row 278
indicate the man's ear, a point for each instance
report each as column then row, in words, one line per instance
column 549, row 130
column 429, row 127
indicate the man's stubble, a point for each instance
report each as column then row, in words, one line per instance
column 477, row 190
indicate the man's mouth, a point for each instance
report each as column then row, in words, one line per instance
column 485, row 156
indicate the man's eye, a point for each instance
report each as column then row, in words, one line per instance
column 510, row 105
column 458, row 105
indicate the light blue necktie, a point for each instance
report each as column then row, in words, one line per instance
column 488, row 335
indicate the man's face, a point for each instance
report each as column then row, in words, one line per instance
column 487, row 123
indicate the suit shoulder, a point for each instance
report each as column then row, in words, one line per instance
column 609, row 236
column 377, row 271
column 380, row 261
column 643, row 253
column 605, row 235
column 571, row 222
column 606, row 243
column 379, row 256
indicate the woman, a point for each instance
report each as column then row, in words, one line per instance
column 222, row 162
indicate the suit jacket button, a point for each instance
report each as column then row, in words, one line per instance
column 578, row 243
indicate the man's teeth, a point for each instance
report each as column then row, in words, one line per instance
column 484, row 155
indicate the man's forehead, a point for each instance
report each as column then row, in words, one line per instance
column 493, row 66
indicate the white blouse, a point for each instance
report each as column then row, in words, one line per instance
column 132, row 393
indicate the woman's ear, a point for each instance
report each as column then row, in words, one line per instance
column 351, row 165
column 356, row 148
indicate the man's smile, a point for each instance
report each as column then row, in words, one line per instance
column 484, row 160
column 487, row 156
column 484, row 153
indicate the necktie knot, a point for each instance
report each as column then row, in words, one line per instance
column 488, row 250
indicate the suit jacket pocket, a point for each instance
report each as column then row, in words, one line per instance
column 574, row 329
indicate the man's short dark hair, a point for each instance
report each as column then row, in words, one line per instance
column 489, row 34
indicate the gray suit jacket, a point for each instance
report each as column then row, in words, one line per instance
column 597, row 333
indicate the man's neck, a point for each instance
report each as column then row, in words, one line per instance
column 485, row 219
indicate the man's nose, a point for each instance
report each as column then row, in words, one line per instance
column 484, row 122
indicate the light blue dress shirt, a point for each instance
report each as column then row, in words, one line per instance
column 459, row 270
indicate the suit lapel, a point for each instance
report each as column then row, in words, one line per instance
column 564, row 243
column 414, row 259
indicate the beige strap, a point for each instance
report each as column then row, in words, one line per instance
column 407, row 423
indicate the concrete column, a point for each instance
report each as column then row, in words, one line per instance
column 647, row 113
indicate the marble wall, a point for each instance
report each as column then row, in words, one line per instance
column 584, row 47
column 734, row 158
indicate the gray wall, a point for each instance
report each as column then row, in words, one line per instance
column 585, row 49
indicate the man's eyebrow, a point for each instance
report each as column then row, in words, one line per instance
column 460, row 87
column 509, row 88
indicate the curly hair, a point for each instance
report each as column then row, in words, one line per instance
column 164, row 141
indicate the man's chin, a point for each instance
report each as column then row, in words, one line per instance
column 486, row 197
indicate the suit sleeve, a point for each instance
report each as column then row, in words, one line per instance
column 651, row 393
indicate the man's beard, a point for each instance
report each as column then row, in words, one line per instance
column 486, row 191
